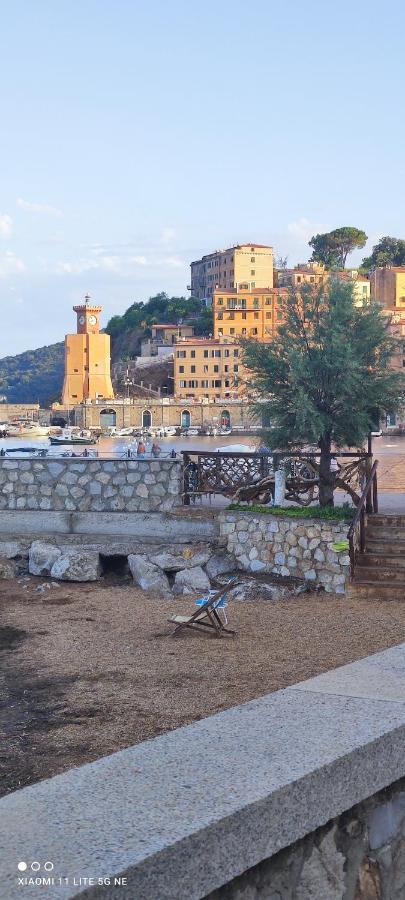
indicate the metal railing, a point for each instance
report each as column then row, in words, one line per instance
column 368, row 504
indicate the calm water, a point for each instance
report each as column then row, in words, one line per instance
column 108, row 446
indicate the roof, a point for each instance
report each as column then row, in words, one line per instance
column 204, row 342
column 171, row 325
column 229, row 250
column 254, row 293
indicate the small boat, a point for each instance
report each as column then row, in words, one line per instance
column 24, row 429
column 192, row 432
column 236, row 448
column 69, row 436
column 169, row 430
column 120, row 432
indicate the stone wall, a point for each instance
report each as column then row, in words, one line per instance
column 358, row 856
column 78, row 485
column 287, row 546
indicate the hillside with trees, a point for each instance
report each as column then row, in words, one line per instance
column 37, row 375
column 127, row 331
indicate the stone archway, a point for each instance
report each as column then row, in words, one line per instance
column 108, row 418
column 146, row 418
column 185, row 418
column 225, row 418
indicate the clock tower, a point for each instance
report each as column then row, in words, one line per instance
column 87, row 358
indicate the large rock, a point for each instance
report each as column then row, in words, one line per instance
column 148, row 576
column 191, row 581
column 77, row 565
column 219, row 563
column 176, row 558
column 250, row 590
column 42, row 557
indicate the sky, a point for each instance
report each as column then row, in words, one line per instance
column 136, row 136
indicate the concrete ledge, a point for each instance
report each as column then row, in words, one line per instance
column 184, row 813
column 139, row 525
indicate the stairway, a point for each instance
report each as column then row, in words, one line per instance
column 380, row 571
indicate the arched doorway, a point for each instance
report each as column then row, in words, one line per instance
column 146, row 418
column 185, row 419
column 108, row 417
column 225, row 418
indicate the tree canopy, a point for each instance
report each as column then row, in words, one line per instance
column 389, row 251
column 324, row 374
column 161, row 308
column 333, row 247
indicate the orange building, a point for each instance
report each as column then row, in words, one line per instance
column 245, row 266
column 253, row 314
column 87, row 358
column 206, row 368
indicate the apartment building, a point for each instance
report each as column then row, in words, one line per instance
column 315, row 273
column 252, row 314
column 208, row 369
column 247, row 266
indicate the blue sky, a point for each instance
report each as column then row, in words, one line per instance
column 138, row 135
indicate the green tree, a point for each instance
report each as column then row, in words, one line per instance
column 389, row 251
column 324, row 374
column 333, row 247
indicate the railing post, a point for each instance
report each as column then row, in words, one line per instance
column 186, row 463
column 362, row 532
column 369, row 504
column 375, row 493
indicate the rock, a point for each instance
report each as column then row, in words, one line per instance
column 77, row 565
column 42, row 557
column 8, row 568
column 250, row 589
column 12, row 549
column 177, row 558
column 191, row 581
column 148, row 576
column 219, row 563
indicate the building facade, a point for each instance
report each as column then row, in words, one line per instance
column 388, row 287
column 208, row 369
column 252, row 314
column 163, row 337
column 142, row 413
column 244, row 265
column 87, row 358
column 314, row 273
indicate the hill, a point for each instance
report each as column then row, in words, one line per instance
column 34, row 376
column 37, row 375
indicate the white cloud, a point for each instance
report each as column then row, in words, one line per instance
column 303, row 229
column 122, row 266
column 10, row 264
column 39, row 208
column 6, row 225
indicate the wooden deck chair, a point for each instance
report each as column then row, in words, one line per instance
column 206, row 616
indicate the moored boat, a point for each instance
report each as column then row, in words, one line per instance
column 69, row 436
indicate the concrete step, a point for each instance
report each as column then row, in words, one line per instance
column 385, row 548
column 385, row 532
column 378, row 574
column 380, row 559
column 375, row 591
column 386, row 519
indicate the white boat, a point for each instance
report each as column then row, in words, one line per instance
column 70, row 436
column 236, row 448
column 120, row 432
column 192, row 432
column 22, row 429
column 170, row 430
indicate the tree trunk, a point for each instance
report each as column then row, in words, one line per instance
column 326, row 477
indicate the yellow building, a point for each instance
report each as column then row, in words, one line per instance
column 315, row 273
column 87, row 358
column 208, row 369
column 245, row 266
column 252, row 314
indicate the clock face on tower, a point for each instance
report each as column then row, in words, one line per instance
column 92, row 320
column 81, row 320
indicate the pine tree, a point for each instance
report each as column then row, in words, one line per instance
column 320, row 379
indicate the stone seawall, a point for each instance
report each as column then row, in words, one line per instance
column 287, row 546
column 90, row 485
